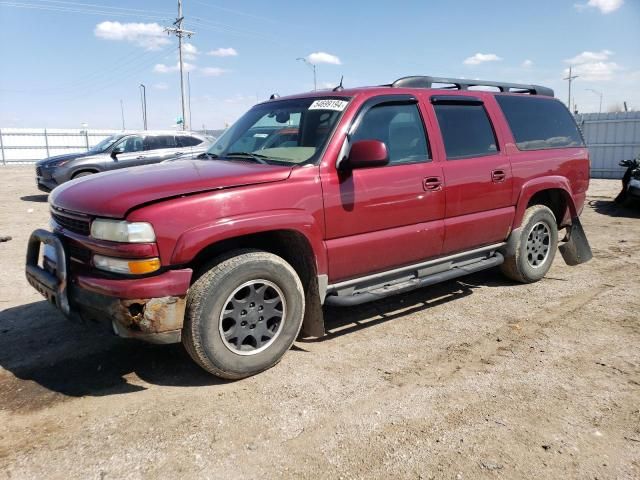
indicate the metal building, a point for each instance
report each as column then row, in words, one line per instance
column 611, row 137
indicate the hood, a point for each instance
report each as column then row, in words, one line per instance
column 114, row 194
column 59, row 158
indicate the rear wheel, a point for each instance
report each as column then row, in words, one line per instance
column 535, row 248
column 243, row 314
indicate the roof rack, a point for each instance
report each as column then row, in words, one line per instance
column 418, row 81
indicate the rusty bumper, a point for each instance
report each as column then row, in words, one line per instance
column 156, row 320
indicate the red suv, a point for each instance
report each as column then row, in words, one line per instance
column 336, row 197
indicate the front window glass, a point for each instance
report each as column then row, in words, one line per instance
column 400, row 128
column 105, row 144
column 282, row 132
column 130, row 144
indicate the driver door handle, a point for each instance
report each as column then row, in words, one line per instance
column 432, row 184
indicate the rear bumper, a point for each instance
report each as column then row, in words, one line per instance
column 150, row 309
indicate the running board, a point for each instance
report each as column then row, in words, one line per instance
column 417, row 279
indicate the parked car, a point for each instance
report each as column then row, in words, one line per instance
column 630, row 181
column 118, row 151
column 376, row 191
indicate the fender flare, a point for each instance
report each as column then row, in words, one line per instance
column 536, row 185
column 193, row 241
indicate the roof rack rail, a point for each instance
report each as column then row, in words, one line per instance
column 418, row 81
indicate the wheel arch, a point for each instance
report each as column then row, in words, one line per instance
column 294, row 246
column 553, row 192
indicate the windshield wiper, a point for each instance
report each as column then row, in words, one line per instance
column 256, row 157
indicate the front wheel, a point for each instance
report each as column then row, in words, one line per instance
column 243, row 314
column 535, row 248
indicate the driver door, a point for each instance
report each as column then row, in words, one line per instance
column 129, row 152
column 379, row 218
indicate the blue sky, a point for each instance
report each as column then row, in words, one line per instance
column 70, row 62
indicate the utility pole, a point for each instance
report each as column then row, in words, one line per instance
column 313, row 67
column 570, row 78
column 122, row 113
column 600, row 95
column 180, row 33
column 189, row 88
column 143, row 99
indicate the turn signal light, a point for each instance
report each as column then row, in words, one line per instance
column 123, row 265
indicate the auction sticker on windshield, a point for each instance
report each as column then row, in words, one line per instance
column 329, row 104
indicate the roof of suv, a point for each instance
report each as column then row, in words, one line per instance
column 448, row 86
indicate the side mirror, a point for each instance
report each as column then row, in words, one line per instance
column 367, row 153
column 116, row 151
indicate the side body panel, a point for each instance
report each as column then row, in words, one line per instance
column 189, row 224
column 479, row 207
column 381, row 217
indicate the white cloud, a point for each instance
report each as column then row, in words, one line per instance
column 527, row 64
column 189, row 51
column 593, row 66
column 148, row 35
column 323, row 57
column 212, row 71
column 162, row 68
column 223, row 52
column 587, row 56
column 479, row 58
column 605, row 6
column 160, row 86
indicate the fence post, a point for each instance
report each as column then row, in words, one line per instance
column 46, row 142
column 86, row 137
column 4, row 161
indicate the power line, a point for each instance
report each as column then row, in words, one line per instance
column 63, row 9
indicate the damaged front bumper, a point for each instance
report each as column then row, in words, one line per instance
column 150, row 308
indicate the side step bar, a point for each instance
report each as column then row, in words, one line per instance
column 401, row 285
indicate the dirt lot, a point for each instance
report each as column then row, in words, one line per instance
column 478, row 378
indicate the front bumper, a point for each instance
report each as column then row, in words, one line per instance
column 45, row 179
column 150, row 308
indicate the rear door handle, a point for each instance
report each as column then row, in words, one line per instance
column 141, row 157
column 498, row 176
column 432, row 184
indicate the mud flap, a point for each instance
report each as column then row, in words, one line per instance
column 576, row 249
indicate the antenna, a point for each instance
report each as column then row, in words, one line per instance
column 339, row 88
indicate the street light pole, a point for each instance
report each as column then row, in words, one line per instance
column 313, row 67
column 122, row 113
column 143, row 98
column 599, row 94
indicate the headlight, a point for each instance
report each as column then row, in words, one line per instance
column 123, row 265
column 122, row 231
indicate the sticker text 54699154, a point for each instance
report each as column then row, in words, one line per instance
column 329, row 104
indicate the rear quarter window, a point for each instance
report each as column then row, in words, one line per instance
column 539, row 123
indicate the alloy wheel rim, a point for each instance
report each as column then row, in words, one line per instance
column 252, row 317
column 538, row 244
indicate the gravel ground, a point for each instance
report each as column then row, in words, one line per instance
column 477, row 378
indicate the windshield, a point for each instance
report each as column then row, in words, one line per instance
column 282, row 132
column 105, row 144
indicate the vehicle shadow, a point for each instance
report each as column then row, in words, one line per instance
column 38, row 344
column 42, row 198
column 55, row 358
column 344, row 320
column 612, row 209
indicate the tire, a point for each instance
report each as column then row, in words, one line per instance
column 535, row 248
column 252, row 282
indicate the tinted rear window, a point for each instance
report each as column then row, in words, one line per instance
column 539, row 123
column 466, row 131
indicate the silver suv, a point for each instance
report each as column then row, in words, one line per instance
column 119, row 151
